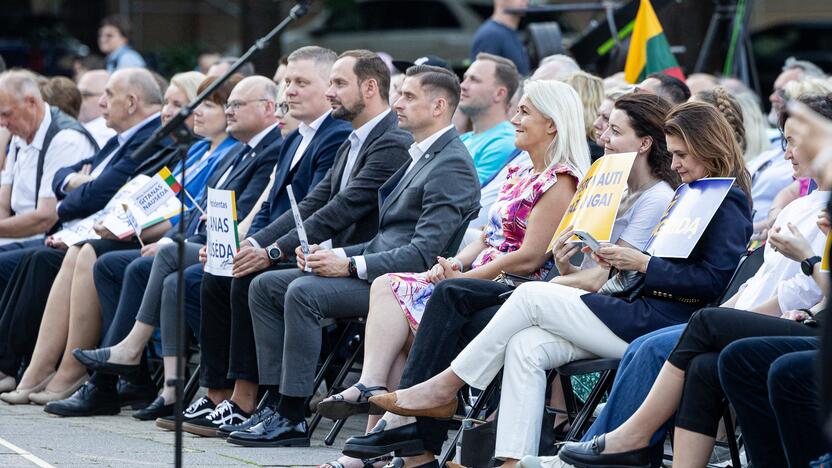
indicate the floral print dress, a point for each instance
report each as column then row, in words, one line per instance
column 504, row 233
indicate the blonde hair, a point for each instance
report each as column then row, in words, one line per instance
column 188, row 83
column 590, row 88
column 755, row 123
column 809, row 85
column 560, row 103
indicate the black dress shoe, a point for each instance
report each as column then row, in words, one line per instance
column 89, row 400
column 157, row 409
column 589, row 454
column 403, row 440
column 96, row 360
column 259, row 416
column 399, row 463
column 274, row 431
column 136, row 395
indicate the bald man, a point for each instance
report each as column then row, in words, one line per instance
column 130, row 105
column 45, row 140
column 91, row 84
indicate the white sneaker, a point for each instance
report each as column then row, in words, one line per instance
column 530, row 461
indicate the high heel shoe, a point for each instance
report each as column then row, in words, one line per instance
column 20, row 396
column 45, row 396
column 387, row 402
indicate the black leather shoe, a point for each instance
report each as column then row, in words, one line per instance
column 588, row 454
column 259, row 416
column 96, row 360
column 157, row 409
column 403, row 440
column 274, row 431
column 89, row 400
column 136, row 395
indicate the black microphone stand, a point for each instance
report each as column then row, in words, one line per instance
column 177, row 128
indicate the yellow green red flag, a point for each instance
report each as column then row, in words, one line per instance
column 649, row 50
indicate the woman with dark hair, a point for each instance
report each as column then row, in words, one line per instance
column 544, row 325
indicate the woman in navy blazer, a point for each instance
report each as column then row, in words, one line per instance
column 545, row 325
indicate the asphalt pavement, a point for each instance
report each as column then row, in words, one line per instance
column 30, row 437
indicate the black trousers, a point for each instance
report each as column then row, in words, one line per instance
column 226, row 334
column 23, row 302
column 709, row 331
column 457, row 312
column 773, row 386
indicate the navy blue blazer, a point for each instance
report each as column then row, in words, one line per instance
column 311, row 169
column 675, row 288
column 248, row 180
column 94, row 195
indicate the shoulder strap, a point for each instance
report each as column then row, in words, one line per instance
column 60, row 121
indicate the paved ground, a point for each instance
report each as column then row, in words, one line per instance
column 121, row 441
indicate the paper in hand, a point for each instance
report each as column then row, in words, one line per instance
column 304, row 243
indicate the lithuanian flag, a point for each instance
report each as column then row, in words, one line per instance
column 649, row 50
column 169, row 179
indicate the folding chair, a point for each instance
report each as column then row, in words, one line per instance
column 449, row 251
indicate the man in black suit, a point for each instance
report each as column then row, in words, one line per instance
column 245, row 170
column 342, row 209
column 418, row 214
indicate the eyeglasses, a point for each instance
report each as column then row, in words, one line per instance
column 236, row 105
column 283, row 108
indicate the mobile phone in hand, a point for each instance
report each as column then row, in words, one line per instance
column 587, row 239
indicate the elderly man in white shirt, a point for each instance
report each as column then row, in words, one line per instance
column 91, row 85
column 44, row 140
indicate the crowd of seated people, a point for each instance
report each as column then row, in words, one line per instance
column 390, row 168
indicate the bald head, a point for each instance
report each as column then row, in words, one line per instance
column 91, row 84
column 251, row 106
column 21, row 104
column 130, row 96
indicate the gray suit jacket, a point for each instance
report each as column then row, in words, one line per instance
column 346, row 216
column 420, row 210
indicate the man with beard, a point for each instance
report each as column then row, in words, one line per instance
column 486, row 92
column 342, row 208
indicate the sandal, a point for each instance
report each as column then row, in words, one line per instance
column 338, row 408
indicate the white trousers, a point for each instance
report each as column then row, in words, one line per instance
column 540, row 327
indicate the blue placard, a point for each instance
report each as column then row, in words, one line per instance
column 687, row 216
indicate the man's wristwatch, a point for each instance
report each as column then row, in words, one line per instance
column 274, row 253
column 808, row 265
column 352, row 269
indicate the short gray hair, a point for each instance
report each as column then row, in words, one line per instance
column 21, row 83
column 808, row 68
column 567, row 65
column 323, row 58
column 141, row 82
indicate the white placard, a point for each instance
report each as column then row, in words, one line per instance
column 221, row 227
column 304, row 242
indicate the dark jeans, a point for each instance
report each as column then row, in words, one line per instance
column 773, row 386
column 23, row 302
column 457, row 312
column 709, row 331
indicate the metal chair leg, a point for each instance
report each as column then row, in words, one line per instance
column 342, row 375
column 483, row 399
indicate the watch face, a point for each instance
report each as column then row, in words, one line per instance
column 274, row 253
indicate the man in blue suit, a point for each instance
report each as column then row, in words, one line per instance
column 306, row 157
column 131, row 104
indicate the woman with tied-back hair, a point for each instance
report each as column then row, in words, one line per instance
column 729, row 107
column 544, row 325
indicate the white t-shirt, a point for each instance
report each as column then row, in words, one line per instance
column 635, row 226
column 780, row 275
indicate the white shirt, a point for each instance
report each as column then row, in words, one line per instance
column 417, row 150
column 253, row 142
column 100, row 131
column 770, row 173
column 357, row 139
column 780, row 276
column 307, row 133
column 67, row 148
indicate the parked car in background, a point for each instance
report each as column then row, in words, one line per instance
column 405, row 29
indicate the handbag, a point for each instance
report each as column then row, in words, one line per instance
column 626, row 284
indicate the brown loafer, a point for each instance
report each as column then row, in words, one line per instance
column 388, row 401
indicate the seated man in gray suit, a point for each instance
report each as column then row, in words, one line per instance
column 420, row 210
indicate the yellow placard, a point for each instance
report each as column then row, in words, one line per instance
column 594, row 206
column 824, row 264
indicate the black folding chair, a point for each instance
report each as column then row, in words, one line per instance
column 450, row 250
